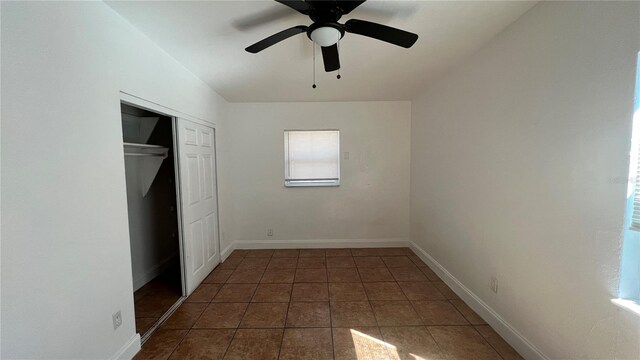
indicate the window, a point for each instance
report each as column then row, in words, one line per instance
column 630, row 259
column 634, row 157
column 312, row 158
column 635, row 217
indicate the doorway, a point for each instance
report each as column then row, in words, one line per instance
column 152, row 204
column 171, row 178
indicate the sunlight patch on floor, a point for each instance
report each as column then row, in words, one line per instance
column 368, row 347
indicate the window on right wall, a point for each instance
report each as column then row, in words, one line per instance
column 629, row 289
column 311, row 158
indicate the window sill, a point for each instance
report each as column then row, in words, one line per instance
column 312, row 184
column 629, row 305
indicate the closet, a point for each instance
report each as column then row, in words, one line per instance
column 172, row 203
column 152, row 203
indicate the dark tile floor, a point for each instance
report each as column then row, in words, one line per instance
column 325, row 304
column 156, row 297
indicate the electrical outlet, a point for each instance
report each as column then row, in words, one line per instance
column 494, row 284
column 117, row 319
column 269, row 232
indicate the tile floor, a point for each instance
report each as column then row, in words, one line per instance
column 156, row 297
column 325, row 304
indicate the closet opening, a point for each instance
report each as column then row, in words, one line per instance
column 154, row 215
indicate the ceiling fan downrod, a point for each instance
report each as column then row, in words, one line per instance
column 314, row 65
column 338, row 46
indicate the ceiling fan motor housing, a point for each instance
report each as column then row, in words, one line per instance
column 325, row 34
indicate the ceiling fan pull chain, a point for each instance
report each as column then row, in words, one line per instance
column 338, row 46
column 314, row 65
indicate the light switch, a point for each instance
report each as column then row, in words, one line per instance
column 346, row 155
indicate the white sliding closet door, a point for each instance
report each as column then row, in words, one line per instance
column 196, row 149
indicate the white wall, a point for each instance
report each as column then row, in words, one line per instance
column 66, row 263
column 372, row 201
column 519, row 168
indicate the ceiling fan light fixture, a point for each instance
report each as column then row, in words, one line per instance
column 326, row 36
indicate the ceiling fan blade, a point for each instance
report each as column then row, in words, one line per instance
column 297, row 5
column 262, row 18
column 381, row 32
column 276, row 38
column 331, row 58
column 348, row 6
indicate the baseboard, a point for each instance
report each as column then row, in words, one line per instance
column 320, row 243
column 521, row 344
column 129, row 350
column 224, row 254
column 150, row 274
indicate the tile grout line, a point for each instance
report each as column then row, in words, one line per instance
column 284, row 327
column 288, row 304
column 286, row 315
column 423, row 323
column 246, row 309
column 374, row 313
column 236, row 329
column 486, row 341
column 243, row 314
column 333, row 346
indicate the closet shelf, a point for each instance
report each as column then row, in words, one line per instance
column 152, row 156
column 144, row 148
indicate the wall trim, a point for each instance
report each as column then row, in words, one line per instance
column 510, row 334
column 319, row 243
column 137, row 101
column 224, row 254
column 128, row 350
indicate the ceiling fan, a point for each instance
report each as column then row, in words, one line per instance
column 326, row 31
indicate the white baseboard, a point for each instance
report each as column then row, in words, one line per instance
column 224, row 254
column 141, row 279
column 129, row 350
column 320, row 243
column 521, row 344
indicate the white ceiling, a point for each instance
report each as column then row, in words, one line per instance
column 209, row 37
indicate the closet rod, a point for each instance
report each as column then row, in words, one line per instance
column 141, row 154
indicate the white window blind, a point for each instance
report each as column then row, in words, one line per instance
column 635, row 218
column 312, row 157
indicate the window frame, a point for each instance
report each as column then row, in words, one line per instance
column 320, row 182
column 629, row 271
